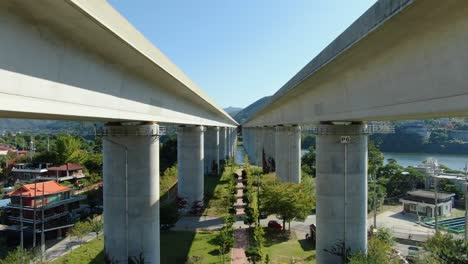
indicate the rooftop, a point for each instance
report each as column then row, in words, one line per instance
column 430, row 194
column 65, row 167
column 29, row 190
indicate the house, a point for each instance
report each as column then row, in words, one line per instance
column 422, row 203
column 4, row 150
column 43, row 202
column 28, row 172
column 65, row 172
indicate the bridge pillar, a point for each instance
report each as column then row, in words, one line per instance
column 251, row 145
column 223, row 143
column 288, row 153
column 246, row 139
column 131, row 192
column 269, row 148
column 211, row 144
column 234, row 143
column 259, row 146
column 190, row 163
column 341, row 159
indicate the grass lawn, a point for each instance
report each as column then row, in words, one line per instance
column 176, row 246
column 283, row 247
column 91, row 252
column 216, row 191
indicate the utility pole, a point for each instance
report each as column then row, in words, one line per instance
column 34, row 219
column 375, row 201
column 42, row 229
column 21, row 221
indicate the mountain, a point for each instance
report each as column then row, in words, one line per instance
column 245, row 113
column 232, row 111
column 47, row 126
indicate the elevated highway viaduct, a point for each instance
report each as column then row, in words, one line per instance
column 402, row 59
column 81, row 60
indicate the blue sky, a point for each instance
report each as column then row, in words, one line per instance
column 241, row 50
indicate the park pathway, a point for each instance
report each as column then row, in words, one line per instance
column 240, row 234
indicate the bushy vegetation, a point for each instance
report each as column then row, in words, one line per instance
column 379, row 250
column 445, row 249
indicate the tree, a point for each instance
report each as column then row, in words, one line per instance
column 444, row 248
column 288, row 200
column 381, row 193
column 94, row 163
column 225, row 238
column 20, row 255
column 308, row 142
column 378, row 251
column 400, row 183
column 375, row 158
column 79, row 230
column 308, row 162
column 168, row 153
column 69, row 150
column 446, row 186
column 385, row 235
column 96, row 225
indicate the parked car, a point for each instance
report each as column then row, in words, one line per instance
column 274, row 225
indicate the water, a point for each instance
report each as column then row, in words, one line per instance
column 453, row 161
column 239, row 159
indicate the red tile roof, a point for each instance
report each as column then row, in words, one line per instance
column 65, row 167
column 5, row 148
column 50, row 187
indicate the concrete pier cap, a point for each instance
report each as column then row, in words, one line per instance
column 131, row 191
column 341, row 184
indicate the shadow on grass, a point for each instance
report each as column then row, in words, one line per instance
column 306, row 245
column 275, row 236
column 175, row 246
column 99, row 259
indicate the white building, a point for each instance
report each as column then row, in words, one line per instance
column 422, row 203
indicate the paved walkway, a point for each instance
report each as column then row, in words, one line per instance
column 65, row 246
column 241, row 237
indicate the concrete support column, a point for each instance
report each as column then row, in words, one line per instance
column 190, row 163
column 246, row 138
column 211, row 142
column 234, row 145
column 288, row 153
column 259, row 146
column 131, row 192
column 222, row 143
column 341, row 189
column 251, row 145
column 269, row 147
column 229, row 142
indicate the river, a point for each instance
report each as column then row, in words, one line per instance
column 453, row 161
